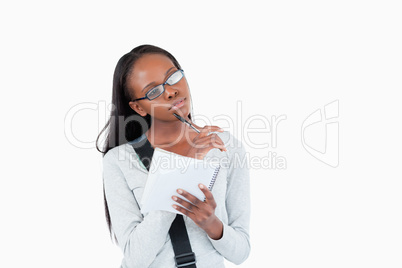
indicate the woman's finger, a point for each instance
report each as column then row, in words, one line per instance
column 183, row 210
column 206, row 129
column 184, row 203
column 204, row 141
column 208, row 194
column 216, row 142
column 216, row 139
column 194, row 200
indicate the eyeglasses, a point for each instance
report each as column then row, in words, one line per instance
column 159, row 89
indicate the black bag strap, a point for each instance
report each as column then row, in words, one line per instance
column 184, row 256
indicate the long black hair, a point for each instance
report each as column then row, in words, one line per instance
column 124, row 123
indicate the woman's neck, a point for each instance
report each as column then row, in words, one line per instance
column 168, row 134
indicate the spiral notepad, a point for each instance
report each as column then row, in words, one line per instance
column 169, row 172
column 211, row 184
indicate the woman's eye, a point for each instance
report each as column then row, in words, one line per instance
column 172, row 79
column 152, row 92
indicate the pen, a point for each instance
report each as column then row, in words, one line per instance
column 186, row 122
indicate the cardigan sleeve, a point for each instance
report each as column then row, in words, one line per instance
column 234, row 244
column 128, row 224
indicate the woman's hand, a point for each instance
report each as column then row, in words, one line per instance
column 202, row 213
column 203, row 142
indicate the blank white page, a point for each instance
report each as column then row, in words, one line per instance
column 169, row 172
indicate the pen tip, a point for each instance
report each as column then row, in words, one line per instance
column 178, row 117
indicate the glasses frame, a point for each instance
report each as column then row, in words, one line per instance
column 163, row 86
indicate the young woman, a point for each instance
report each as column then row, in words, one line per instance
column 149, row 86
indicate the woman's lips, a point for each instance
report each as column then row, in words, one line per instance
column 178, row 104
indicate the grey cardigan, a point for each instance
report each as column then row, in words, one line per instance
column 145, row 241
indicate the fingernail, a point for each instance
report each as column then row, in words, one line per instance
column 174, row 206
column 179, row 191
column 201, row 186
column 174, row 198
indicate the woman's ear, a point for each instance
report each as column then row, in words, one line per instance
column 134, row 105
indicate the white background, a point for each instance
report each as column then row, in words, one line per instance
column 279, row 58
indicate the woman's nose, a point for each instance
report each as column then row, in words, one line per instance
column 170, row 91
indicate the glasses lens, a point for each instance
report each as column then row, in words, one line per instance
column 174, row 78
column 155, row 92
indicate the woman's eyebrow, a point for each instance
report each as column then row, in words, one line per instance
column 153, row 83
column 169, row 70
column 150, row 84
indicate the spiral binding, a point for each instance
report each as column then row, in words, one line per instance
column 211, row 184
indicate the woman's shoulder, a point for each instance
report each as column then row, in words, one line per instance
column 125, row 147
column 231, row 142
column 235, row 149
column 117, row 153
column 236, row 154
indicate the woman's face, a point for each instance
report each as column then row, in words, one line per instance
column 149, row 71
